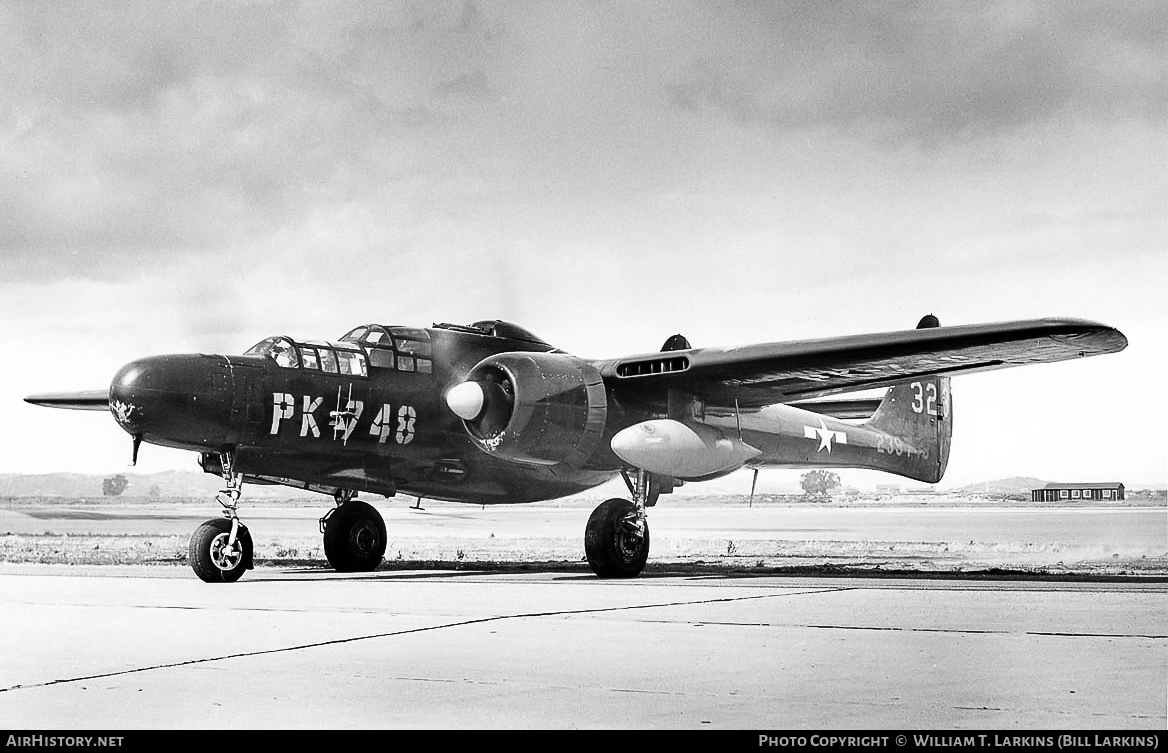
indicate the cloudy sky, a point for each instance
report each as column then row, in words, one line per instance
column 195, row 176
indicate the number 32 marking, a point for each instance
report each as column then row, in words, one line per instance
column 924, row 398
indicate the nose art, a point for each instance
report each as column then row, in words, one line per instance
column 128, row 394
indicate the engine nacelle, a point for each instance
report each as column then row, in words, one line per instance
column 539, row 408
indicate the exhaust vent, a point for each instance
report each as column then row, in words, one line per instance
column 653, row 366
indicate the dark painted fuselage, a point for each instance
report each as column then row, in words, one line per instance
column 382, row 427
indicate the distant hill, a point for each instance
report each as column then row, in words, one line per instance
column 1024, row 484
column 164, row 484
column 1012, row 485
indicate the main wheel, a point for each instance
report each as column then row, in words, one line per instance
column 210, row 556
column 354, row 537
column 612, row 542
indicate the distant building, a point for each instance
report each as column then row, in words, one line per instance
column 1106, row 492
column 887, row 489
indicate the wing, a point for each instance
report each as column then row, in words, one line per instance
column 756, row 375
column 88, row 400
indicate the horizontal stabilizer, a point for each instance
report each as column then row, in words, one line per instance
column 87, row 400
column 859, row 408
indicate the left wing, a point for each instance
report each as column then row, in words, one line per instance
column 757, row 375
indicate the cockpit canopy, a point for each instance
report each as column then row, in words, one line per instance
column 500, row 328
column 376, row 346
column 496, row 328
column 397, row 348
column 332, row 358
column 401, row 348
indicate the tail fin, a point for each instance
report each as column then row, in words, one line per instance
column 917, row 417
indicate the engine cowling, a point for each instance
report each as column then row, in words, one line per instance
column 538, row 408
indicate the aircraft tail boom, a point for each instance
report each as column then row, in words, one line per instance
column 908, row 435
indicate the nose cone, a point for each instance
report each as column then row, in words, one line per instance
column 131, row 393
column 466, row 400
column 179, row 401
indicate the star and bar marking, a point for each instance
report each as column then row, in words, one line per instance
column 825, row 436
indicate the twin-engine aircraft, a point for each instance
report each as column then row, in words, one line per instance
column 491, row 414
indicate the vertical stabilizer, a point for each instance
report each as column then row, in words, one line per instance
column 917, row 418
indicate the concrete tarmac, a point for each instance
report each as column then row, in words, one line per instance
column 150, row 647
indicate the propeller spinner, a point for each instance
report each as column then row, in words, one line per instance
column 485, row 405
column 466, row 400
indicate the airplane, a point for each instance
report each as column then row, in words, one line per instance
column 489, row 413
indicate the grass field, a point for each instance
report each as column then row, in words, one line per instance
column 898, row 534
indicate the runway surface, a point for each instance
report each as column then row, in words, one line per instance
column 150, row 647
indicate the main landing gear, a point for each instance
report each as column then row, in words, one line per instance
column 354, row 535
column 221, row 548
column 616, row 539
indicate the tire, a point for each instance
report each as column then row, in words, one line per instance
column 354, row 538
column 613, row 550
column 207, row 558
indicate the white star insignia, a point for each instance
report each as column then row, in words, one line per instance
column 825, row 436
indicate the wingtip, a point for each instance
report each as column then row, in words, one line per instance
column 1104, row 337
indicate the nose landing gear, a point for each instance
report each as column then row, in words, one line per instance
column 221, row 548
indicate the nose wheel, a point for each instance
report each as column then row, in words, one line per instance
column 218, row 556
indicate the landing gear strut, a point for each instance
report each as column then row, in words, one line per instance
column 616, row 539
column 221, row 548
column 354, row 535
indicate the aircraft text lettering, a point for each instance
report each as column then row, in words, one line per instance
column 382, row 426
column 924, row 398
column 307, row 420
column 283, row 407
column 344, row 422
column 405, row 424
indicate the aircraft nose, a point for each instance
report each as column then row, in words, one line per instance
column 128, row 393
column 179, row 400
